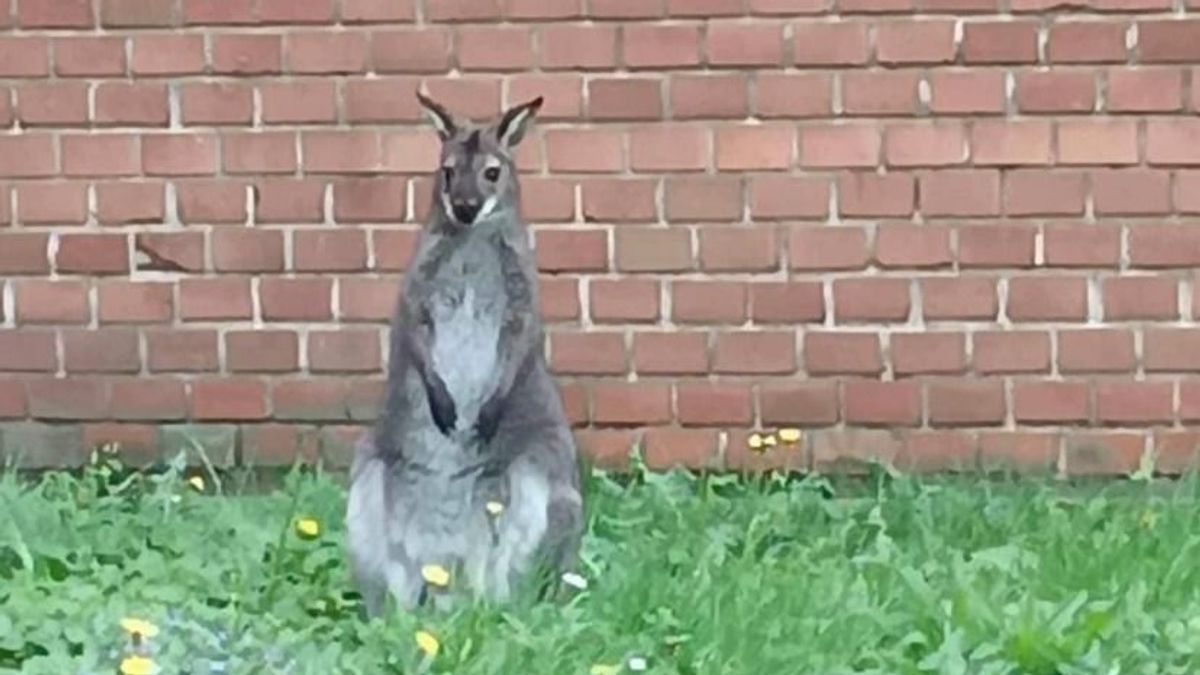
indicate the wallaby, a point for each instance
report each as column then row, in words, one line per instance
column 471, row 465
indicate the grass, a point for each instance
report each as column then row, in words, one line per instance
column 694, row 575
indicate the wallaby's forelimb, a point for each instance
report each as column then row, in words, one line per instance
column 519, row 336
column 419, row 344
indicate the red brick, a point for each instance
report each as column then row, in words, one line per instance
column 1131, row 192
column 310, row 400
column 922, row 144
column 1047, row 299
column 786, row 197
column 1022, row 451
column 705, row 8
column 1097, row 142
column 892, row 404
column 218, row 299
column 996, row 246
column 806, row 404
column 1141, row 298
column 870, row 300
column 714, row 404
column 623, row 300
column 1169, row 41
column 788, row 7
column 584, row 150
column 572, row 250
column 344, row 351
column 787, row 302
column 247, row 54
column 754, row 148
column 1086, row 42
column 928, row 353
column 135, row 302
column 840, row 353
column 960, row 193
column 547, row 199
column 27, row 351
column 1176, row 452
column 341, row 152
column 542, row 9
column 562, row 93
column 24, row 56
column 329, row 251
column 653, row 250
column 626, row 9
column 619, row 200
column 229, row 399
column 296, row 299
column 1011, row 351
column 370, row 199
column 1044, row 193
column 1145, row 90
column 571, row 47
column 1134, row 403
column 661, row 46
column 703, row 199
column 709, row 96
column 326, row 53
column 1171, row 350
column 372, row 300
column 928, row 42
column 131, row 104
column 828, row 248
column 182, row 351
column 62, row 399
column 655, row 149
column 1055, row 91
column 101, row 351
column 708, row 302
column 788, row 95
column 959, row 299
column 1082, row 245
column 967, row 92
column 57, row 14
column 588, row 353
column 148, row 400
column 300, row 102
column 176, row 54
column 673, row 353
column 100, row 155
column 24, row 253
column 211, row 201
column 838, row 146
column 217, row 103
column 629, row 404
column 878, row 93
column 27, row 156
column 380, row 100
column 463, row 10
column 624, row 99
column 1189, row 400
column 1096, row 351
column 668, row 448
column 738, row 249
column 52, row 203
column 92, row 254
column 738, row 44
column 1000, row 42
column 259, row 152
column 411, row 50
column 55, row 104
column 179, row 154
column 870, row 195
column 169, row 251
column 1162, row 245
column 913, row 246
column 495, row 48
column 830, row 44
column 51, row 302
column 89, row 56
column 1011, row 143
column 966, row 402
column 759, row 352
column 1050, row 402
column 247, row 250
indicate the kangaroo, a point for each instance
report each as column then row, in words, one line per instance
column 471, row 465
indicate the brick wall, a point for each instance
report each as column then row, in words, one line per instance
column 942, row 231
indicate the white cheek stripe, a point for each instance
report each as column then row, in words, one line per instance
column 488, row 206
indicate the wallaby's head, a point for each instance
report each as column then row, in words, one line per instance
column 477, row 177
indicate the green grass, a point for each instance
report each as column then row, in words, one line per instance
column 716, row 575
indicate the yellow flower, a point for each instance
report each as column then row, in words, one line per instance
column 603, row 669
column 755, row 441
column 308, row 528
column 139, row 627
column 436, row 575
column 197, row 482
column 1148, row 519
column 137, row 665
column 427, row 643
column 789, row 435
column 769, row 440
column 494, row 508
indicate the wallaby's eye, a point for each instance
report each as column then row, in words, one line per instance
column 492, row 173
column 447, row 174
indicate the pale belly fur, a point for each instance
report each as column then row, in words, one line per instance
column 465, row 338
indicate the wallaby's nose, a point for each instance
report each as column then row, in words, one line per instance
column 465, row 210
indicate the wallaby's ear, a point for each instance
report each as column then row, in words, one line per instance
column 442, row 120
column 511, row 127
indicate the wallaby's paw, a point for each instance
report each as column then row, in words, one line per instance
column 488, row 420
column 441, row 406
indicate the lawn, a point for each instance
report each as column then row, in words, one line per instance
column 883, row 574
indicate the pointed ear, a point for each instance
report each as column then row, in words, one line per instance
column 443, row 121
column 512, row 125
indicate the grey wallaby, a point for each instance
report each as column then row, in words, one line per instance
column 472, row 465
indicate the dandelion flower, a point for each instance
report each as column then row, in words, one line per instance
column 308, row 528
column 603, row 669
column 139, row 627
column 575, row 581
column 427, row 643
column 494, row 508
column 197, row 482
column 789, row 435
column 637, row 664
column 755, row 441
column 769, row 440
column 1148, row 519
column 137, row 665
column 436, row 575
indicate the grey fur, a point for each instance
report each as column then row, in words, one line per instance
column 472, row 413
